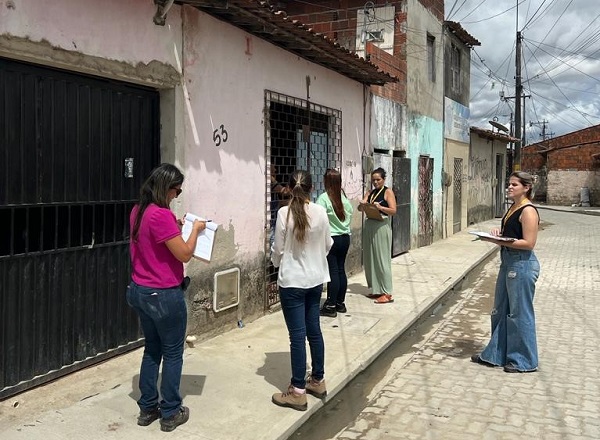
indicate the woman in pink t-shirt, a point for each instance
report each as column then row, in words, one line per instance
column 158, row 252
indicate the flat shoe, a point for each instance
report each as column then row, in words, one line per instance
column 510, row 368
column 384, row 299
column 476, row 359
column 374, row 295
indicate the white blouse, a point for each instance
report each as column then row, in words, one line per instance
column 302, row 265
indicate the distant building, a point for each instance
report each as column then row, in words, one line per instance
column 487, row 174
column 567, row 167
column 457, row 84
column 404, row 39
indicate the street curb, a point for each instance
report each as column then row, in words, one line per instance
column 419, row 311
column 575, row 211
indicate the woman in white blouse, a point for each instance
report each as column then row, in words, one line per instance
column 302, row 241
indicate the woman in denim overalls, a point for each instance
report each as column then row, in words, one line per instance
column 513, row 342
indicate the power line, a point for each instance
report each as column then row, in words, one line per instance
column 559, row 89
column 494, row 16
column 473, row 10
column 535, row 13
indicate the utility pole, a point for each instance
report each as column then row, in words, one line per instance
column 518, row 94
column 544, row 135
column 512, row 147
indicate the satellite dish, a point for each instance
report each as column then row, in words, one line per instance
column 499, row 126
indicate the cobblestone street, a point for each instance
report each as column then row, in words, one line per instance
column 439, row 394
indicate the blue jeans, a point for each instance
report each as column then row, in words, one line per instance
column 163, row 316
column 513, row 339
column 301, row 312
column 336, row 260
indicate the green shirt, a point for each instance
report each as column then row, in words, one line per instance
column 336, row 226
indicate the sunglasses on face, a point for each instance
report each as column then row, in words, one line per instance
column 177, row 191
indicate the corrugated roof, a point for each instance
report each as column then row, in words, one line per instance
column 462, row 34
column 261, row 19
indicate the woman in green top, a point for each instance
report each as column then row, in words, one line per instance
column 339, row 212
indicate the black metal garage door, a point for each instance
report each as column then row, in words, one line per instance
column 65, row 197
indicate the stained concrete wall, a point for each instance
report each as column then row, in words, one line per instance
column 425, row 101
column 564, row 187
column 388, row 124
column 482, row 181
column 211, row 76
column 456, row 150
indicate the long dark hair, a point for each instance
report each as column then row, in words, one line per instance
column 333, row 186
column 155, row 190
column 301, row 185
column 526, row 179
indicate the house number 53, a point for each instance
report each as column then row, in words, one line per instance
column 220, row 135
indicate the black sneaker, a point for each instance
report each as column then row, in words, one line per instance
column 147, row 417
column 340, row 308
column 328, row 311
column 173, row 422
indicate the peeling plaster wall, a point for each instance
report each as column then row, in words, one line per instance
column 425, row 139
column 564, row 187
column 212, row 78
column 226, row 73
column 456, row 150
column 111, row 38
column 482, row 178
column 425, row 100
column 388, row 128
column 424, row 96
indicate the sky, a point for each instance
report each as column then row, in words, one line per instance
column 560, row 62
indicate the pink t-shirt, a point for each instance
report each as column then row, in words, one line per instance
column 152, row 263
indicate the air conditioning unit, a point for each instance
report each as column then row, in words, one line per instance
column 226, row 289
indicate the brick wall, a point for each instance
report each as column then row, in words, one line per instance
column 338, row 25
column 337, row 21
column 531, row 160
column 394, row 66
column 436, row 7
column 568, row 166
column 574, row 158
column 572, row 151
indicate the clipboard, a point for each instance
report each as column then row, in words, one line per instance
column 371, row 211
column 206, row 238
column 495, row 237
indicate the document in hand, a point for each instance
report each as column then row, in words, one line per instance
column 206, row 238
column 486, row 235
column 371, row 211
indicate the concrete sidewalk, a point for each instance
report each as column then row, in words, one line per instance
column 228, row 380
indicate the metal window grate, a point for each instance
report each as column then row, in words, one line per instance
column 457, row 198
column 298, row 135
column 425, row 201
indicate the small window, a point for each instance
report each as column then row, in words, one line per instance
column 455, row 83
column 431, row 57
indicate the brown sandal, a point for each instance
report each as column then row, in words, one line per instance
column 375, row 295
column 384, row 299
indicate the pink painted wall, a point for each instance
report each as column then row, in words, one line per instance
column 213, row 74
column 226, row 73
column 114, row 29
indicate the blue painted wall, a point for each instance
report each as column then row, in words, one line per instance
column 425, row 138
